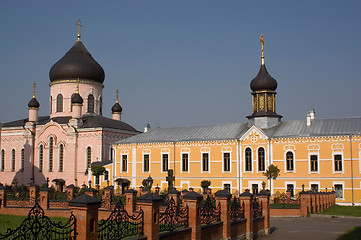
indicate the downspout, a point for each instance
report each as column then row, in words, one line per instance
column 239, row 165
column 351, row 171
column 174, row 160
column 269, row 162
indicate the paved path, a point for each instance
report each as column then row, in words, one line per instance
column 309, row 228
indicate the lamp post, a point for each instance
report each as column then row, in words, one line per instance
column 264, row 185
column 149, row 183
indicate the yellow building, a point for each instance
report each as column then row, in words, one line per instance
column 317, row 153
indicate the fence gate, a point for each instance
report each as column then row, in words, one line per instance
column 120, row 224
column 38, row 226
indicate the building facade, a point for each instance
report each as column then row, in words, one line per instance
column 319, row 154
column 63, row 145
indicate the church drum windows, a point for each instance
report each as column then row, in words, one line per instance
column 2, row 160
column 261, row 160
column 90, row 103
column 227, row 162
column 165, row 162
column 205, row 162
column 61, row 157
column 314, row 163
column 185, row 162
column 146, row 163
column 289, row 161
column 124, row 163
column 338, row 162
column 13, row 160
column 51, row 153
column 59, row 103
column 41, row 157
column 22, row 160
column 248, row 158
column 100, row 105
column 88, row 157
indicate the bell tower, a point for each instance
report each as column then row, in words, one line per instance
column 263, row 88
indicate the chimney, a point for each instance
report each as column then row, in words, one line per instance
column 312, row 113
column 147, row 127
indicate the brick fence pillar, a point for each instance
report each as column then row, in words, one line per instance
column 130, row 200
column 247, row 199
column 305, row 202
column 223, row 198
column 149, row 203
column 263, row 198
column 85, row 209
column 313, row 202
column 193, row 200
column 70, row 192
column 108, row 196
column 44, row 198
column 175, row 194
column 32, row 193
column 91, row 192
column 3, row 196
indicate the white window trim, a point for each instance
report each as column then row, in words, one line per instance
column 259, row 184
column 342, row 162
column 343, row 188
column 294, row 161
column 121, row 163
column 150, row 156
column 227, row 182
column 265, row 154
column 230, row 162
column 181, row 161
column 162, row 161
column 309, row 162
column 291, row 183
column 314, row 182
column 184, row 183
column 209, row 162
column 244, row 162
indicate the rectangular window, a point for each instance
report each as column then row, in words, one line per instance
column 2, row 160
column 338, row 162
column 185, row 162
column 314, row 163
column 106, row 175
column 255, row 189
column 290, row 188
column 165, row 162
column 146, row 163
column 205, row 162
column 338, row 190
column 226, row 162
column 22, row 160
column 314, row 187
column 289, row 161
column 125, row 163
column 227, row 186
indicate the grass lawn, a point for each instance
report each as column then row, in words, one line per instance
column 338, row 210
column 12, row 221
column 353, row 233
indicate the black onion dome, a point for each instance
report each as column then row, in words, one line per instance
column 117, row 108
column 77, row 63
column 77, row 99
column 263, row 81
column 33, row 103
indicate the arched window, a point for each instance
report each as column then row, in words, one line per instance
column 51, row 104
column 13, row 160
column 59, row 103
column 88, row 157
column 61, row 157
column 289, row 161
column 51, row 153
column 71, row 105
column 261, row 161
column 100, row 105
column 22, row 159
column 90, row 104
column 2, row 160
column 248, row 157
column 41, row 157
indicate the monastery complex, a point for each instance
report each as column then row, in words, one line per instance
column 321, row 154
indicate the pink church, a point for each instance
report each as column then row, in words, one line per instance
column 63, row 145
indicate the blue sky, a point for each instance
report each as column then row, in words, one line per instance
column 181, row 63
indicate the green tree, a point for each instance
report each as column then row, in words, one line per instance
column 272, row 173
column 97, row 170
column 205, row 184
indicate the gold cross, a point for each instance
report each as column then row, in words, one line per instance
column 262, row 42
column 117, row 96
column 34, row 86
column 79, row 25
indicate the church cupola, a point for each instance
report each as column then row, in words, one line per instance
column 33, row 107
column 263, row 88
column 117, row 109
column 76, row 103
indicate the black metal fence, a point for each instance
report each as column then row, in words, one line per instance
column 236, row 209
column 173, row 217
column 209, row 212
